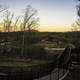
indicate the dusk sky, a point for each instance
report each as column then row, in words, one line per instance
column 55, row 15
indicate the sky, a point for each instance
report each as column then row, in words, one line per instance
column 55, row 15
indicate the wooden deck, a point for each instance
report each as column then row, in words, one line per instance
column 55, row 75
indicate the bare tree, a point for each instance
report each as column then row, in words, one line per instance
column 2, row 8
column 21, row 26
column 29, row 21
column 16, row 24
column 76, row 25
column 8, row 21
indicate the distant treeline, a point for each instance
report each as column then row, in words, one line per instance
column 49, row 36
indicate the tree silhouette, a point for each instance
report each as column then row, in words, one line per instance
column 76, row 25
column 30, row 21
column 8, row 21
column 2, row 8
column 15, row 26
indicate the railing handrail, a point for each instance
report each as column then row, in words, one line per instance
column 64, row 57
